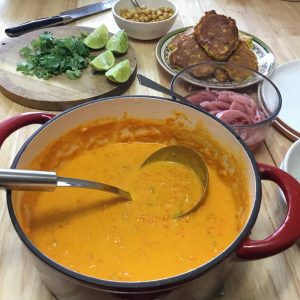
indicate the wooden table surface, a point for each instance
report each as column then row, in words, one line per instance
column 277, row 23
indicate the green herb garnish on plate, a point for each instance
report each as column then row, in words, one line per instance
column 48, row 56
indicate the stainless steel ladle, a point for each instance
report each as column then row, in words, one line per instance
column 15, row 179
column 27, row 180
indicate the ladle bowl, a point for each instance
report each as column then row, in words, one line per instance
column 188, row 157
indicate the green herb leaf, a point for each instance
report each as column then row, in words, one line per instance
column 49, row 56
column 73, row 74
column 25, row 52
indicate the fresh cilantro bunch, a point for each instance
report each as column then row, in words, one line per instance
column 49, row 56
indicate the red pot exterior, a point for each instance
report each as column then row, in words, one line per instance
column 289, row 230
column 201, row 283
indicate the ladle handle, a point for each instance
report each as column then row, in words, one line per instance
column 27, row 180
column 147, row 82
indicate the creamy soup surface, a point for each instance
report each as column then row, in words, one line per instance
column 105, row 236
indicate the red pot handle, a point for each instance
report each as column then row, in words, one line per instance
column 14, row 123
column 289, row 231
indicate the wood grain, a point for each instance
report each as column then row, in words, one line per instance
column 58, row 92
column 277, row 23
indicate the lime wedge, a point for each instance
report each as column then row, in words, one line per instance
column 118, row 43
column 98, row 38
column 120, row 72
column 104, row 61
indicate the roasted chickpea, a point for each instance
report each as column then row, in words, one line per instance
column 145, row 14
column 124, row 11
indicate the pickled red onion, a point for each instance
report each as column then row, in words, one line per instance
column 234, row 109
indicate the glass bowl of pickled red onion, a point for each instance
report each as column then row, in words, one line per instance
column 241, row 102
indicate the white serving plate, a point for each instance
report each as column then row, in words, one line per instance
column 287, row 78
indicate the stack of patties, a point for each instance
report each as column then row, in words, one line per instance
column 187, row 52
column 215, row 37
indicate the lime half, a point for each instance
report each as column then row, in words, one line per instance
column 104, row 61
column 98, row 38
column 120, row 72
column 118, row 43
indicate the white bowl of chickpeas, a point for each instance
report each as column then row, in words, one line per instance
column 152, row 20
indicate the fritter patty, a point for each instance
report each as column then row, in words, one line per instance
column 181, row 37
column 221, row 75
column 217, row 35
column 189, row 53
column 244, row 56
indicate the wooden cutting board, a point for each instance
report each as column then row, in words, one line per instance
column 59, row 92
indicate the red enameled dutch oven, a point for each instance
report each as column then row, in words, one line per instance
column 200, row 283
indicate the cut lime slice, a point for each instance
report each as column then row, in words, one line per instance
column 118, row 43
column 104, row 61
column 98, row 38
column 120, row 72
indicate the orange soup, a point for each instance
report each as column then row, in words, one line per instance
column 104, row 236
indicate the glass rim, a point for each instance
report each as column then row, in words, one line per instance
column 267, row 120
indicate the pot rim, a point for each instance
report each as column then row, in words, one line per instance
column 138, row 286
